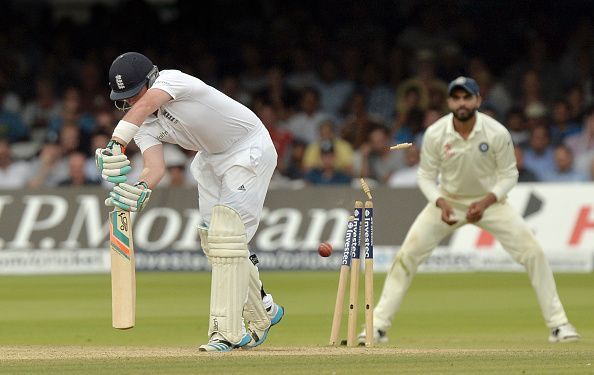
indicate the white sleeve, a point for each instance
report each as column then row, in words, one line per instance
column 507, row 172
column 172, row 82
column 428, row 169
column 145, row 137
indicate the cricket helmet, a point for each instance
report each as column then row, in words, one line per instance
column 129, row 73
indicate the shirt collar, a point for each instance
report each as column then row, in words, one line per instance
column 478, row 125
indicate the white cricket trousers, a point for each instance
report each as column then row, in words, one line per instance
column 238, row 178
column 504, row 223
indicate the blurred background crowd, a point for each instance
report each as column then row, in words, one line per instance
column 335, row 82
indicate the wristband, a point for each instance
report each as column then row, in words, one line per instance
column 125, row 131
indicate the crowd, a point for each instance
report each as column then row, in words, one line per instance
column 331, row 102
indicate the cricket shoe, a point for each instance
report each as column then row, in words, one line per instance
column 218, row 344
column 276, row 313
column 379, row 337
column 564, row 333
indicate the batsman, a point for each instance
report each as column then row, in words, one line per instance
column 233, row 166
column 471, row 156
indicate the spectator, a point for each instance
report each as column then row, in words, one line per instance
column 531, row 89
column 342, row 150
column 72, row 114
column 302, row 75
column 412, row 95
column 295, row 170
column 407, row 176
column 583, row 141
column 281, row 138
column 327, row 173
column 253, row 77
column 562, row 125
column 98, row 140
column 11, row 125
column 39, row 111
column 52, row 166
column 380, row 96
column 76, row 172
column 334, row 91
column 13, row 174
column 359, row 122
column 536, row 115
column 577, row 103
column 524, row 174
column 230, row 86
column 92, row 93
column 176, row 163
column 438, row 95
column 564, row 170
column 305, row 125
column 430, row 117
column 105, row 120
column 515, row 122
column 539, row 155
column 374, row 160
column 493, row 93
column 411, row 128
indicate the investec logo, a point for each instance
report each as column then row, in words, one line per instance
column 368, row 240
column 346, row 253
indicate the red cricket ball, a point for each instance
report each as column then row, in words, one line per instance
column 325, row 249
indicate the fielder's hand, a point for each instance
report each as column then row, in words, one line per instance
column 112, row 163
column 128, row 197
column 447, row 212
column 477, row 209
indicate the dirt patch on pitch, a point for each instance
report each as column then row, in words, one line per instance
column 21, row 353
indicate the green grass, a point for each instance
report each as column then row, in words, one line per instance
column 449, row 323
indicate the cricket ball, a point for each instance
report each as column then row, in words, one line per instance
column 325, row 249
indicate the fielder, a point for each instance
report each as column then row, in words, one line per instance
column 233, row 167
column 473, row 155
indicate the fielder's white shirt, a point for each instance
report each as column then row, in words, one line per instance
column 198, row 118
column 473, row 167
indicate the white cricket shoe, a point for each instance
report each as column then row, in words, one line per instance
column 379, row 337
column 564, row 333
column 218, row 344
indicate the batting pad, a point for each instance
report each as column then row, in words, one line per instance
column 203, row 232
column 228, row 252
column 255, row 312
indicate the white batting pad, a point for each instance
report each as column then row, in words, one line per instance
column 255, row 311
column 228, row 254
column 203, row 232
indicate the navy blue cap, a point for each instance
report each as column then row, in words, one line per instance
column 128, row 74
column 467, row 84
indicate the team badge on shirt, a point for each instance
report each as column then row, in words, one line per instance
column 484, row 147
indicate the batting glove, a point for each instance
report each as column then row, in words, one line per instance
column 112, row 163
column 128, row 197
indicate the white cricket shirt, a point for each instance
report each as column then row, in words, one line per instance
column 473, row 167
column 198, row 118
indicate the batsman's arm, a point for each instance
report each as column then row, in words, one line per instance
column 153, row 165
column 149, row 103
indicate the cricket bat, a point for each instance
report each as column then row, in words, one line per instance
column 123, row 272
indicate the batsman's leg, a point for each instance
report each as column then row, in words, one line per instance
column 228, row 253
